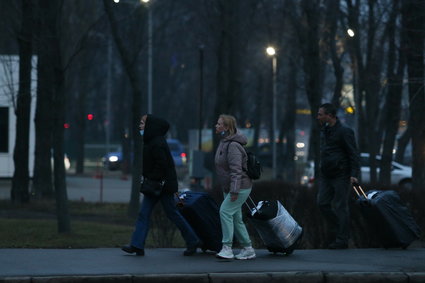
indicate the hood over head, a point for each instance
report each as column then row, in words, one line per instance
column 237, row 137
column 154, row 127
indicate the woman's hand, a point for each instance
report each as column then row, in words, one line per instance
column 233, row 197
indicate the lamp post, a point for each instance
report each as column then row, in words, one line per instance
column 149, row 56
column 352, row 34
column 201, row 93
column 272, row 52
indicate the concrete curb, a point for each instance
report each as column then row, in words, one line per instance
column 281, row 277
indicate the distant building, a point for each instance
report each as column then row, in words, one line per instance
column 9, row 85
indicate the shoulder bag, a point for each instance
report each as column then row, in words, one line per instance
column 151, row 187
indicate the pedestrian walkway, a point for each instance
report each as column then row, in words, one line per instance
column 169, row 265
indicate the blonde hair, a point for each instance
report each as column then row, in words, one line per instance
column 230, row 122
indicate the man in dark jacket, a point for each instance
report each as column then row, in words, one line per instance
column 339, row 168
column 158, row 165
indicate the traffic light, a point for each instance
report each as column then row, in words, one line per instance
column 90, row 117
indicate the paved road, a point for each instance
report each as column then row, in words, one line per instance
column 89, row 188
column 110, row 188
column 395, row 264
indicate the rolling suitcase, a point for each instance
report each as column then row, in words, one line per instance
column 202, row 213
column 388, row 217
column 276, row 227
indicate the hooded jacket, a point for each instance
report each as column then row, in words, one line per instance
column 158, row 164
column 231, row 164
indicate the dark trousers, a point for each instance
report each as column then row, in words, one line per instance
column 332, row 200
column 142, row 224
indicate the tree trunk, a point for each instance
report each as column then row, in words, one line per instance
column 392, row 107
column 371, row 83
column 414, row 24
column 80, row 130
column 333, row 15
column 225, row 99
column 132, row 73
column 312, row 65
column 42, row 182
column 20, row 181
column 52, row 12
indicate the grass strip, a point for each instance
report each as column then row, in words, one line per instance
column 42, row 233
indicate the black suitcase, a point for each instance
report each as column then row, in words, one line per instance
column 202, row 213
column 388, row 217
column 276, row 227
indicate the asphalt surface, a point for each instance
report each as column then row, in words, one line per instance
column 395, row 264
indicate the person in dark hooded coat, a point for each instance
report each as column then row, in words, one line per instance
column 158, row 164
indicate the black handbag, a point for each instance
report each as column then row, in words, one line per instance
column 151, row 187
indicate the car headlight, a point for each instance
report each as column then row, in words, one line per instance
column 113, row 158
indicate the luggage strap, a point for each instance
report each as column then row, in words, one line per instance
column 358, row 189
column 253, row 208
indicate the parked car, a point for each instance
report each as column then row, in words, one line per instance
column 113, row 160
column 177, row 151
column 265, row 152
column 401, row 175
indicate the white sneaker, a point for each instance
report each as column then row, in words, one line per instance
column 246, row 253
column 226, row 253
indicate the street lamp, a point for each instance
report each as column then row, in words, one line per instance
column 272, row 52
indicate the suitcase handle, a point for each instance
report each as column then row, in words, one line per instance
column 358, row 189
column 180, row 202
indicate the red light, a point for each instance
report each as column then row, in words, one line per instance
column 66, row 126
column 183, row 154
column 90, row 117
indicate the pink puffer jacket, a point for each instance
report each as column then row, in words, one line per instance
column 230, row 164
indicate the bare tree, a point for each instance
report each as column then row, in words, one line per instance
column 307, row 22
column 20, row 181
column 367, row 49
column 392, row 108
column 43, row 179
column 414, row 26
column 129, row 58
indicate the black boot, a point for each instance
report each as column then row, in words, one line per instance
column 192, row 249
column 132, row 249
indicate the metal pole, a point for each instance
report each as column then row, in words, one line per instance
column 150, row 59
column 274, row 120
column 201, row 91
column 108, row 96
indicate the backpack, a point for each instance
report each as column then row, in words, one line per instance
column 253, row 165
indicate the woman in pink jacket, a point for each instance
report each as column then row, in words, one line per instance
column 230, row 164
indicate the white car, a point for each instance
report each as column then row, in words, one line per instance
column 401, row 175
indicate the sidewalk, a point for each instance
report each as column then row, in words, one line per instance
column 168, row 265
